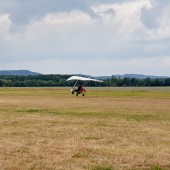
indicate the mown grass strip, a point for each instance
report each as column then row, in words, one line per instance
column 128, row 116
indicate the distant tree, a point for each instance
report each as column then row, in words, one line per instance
column 1, row 83
column 167, row 82
column 157, row 82
column 147, row 82
column 126, row 81
column 7, row 83
column 113, row 81
column 60, row 80
column 134, row 82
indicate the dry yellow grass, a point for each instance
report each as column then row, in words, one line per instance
column 51, row 129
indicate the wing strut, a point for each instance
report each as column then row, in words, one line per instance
column 76, row 82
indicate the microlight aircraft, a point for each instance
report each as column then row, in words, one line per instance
column 80, row 89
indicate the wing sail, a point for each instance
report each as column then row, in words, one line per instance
column 83, row 79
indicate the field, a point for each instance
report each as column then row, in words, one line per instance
column 108, row 129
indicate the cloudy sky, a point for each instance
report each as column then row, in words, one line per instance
column 96, row 37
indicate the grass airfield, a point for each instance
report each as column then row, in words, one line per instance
column 108, row 129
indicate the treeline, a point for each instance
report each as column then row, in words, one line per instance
column 60, row 80
column 33, row 81
column 133, row 82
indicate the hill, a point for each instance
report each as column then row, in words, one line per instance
column 18, row 72
column 28, row 72
column 137, row 76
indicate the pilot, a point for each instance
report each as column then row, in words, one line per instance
column 79, row 88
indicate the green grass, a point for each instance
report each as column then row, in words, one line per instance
column 156, row 168
column 115, row 92
column 130, row 115
column 102, row 168
column 109, row 128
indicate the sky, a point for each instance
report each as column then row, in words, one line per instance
column 94, row 37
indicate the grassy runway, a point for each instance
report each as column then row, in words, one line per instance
column 109, row 128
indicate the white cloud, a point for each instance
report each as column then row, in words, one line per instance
column 68, row 34
column 73, row 17
column 156, row 20
column 115, row 35
column 5, row 24
column 164, row 21
column 166, row 62
column 126, row 17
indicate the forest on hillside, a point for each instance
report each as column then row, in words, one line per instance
column 60, row 80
